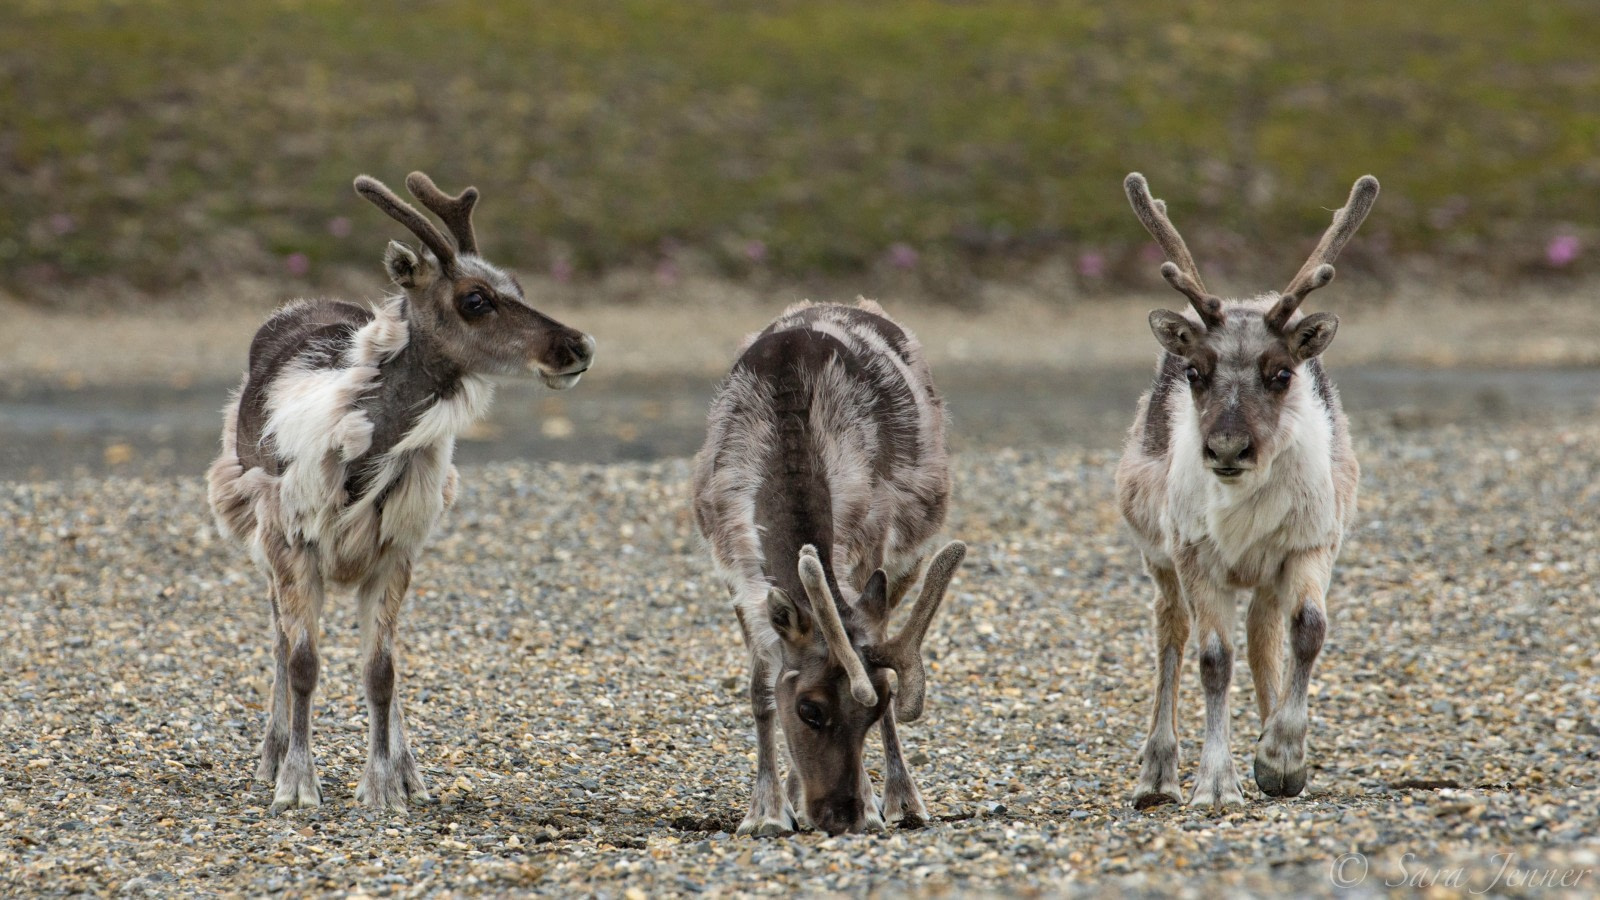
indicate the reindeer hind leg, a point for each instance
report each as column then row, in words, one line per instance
column 391, row 779
column 275, row 741
column 299, row 590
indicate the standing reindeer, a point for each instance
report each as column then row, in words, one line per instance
column 1238, row 473
column 336, row 462
column 821, row 483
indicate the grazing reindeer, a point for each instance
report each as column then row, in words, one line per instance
column 336, row 462
column 1244, row 480
column 822, row 481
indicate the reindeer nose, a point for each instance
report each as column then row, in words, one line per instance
column 1228, row 449
column 582, row 348
column 838, row 816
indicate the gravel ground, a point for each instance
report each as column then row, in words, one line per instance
column 574, row 683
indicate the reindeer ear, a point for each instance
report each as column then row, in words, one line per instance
column 406, row 267
column 1178, row 335
column 788, row 620
column 1312, row 335
column 874, row 600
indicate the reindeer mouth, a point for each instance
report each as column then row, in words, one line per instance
column 562, row 381
column 1227, row 473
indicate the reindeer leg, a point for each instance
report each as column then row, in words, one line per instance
column 1158, row 771
column 902, row 802
column 391, row 780
column 299, row 591
column 1217, row 783
column 871, row 805
column 275, row 743
column 770, row 812
column 795, row 791
column 1264, row 636
column 1280, row 768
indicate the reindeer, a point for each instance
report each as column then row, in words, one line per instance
column 822, row 481
column 1238, row 473
column 336, row 462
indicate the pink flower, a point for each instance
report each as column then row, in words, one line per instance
column 1562, row 250
column 903, row 256
column 1092, row 264
column 561, row 270
column 61, row 223
column 666, row 272
column 339, row 226
column 298, row 264
column 756, row 251
column 1152, row 253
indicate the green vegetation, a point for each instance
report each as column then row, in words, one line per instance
column 160, row 141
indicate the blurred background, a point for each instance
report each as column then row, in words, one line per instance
column 678, row 171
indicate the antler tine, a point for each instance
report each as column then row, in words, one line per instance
column 904, row 653
column 407, row 215
column 1180, row 270
column 827, row 613
column 1318, row 269
column 455, row 211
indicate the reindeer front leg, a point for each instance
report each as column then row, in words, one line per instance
column 1217, row 783
column 1280, row 768
column 391, row 779
column 1158, row 769
column 770, row 812
column 1264, row 638
column 901, row 799
column 297, row 585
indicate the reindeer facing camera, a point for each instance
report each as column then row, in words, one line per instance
column 336, row 462
column 821, row 484
column 1238, row 474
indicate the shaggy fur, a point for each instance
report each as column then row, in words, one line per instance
column 1238, row 474
column 825, row 446
column 336, row 464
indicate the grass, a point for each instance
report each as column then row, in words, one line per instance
column 156, row 142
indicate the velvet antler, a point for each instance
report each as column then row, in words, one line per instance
column 826, row 609
column 456, row 212
column 903, row 653
column 407, row 215
column 1179, row 270
column 1318, row 270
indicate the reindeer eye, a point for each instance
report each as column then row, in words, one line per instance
column 474, row 305
column 809, row 713
column 1192, row 374
column 1282, row 379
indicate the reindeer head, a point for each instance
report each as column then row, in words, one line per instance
column 839, row 674
column 1242, row 359
column 469, row 310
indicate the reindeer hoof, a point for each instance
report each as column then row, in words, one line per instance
column 392, row 787
column 903, row 804
column 1277, row 783
column 1218, row 791
column 767, row 827
column 1150, row 799
column 297, row 785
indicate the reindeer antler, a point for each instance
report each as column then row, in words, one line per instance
column 827, row 613
column 455, row 211
column 903, row 653
column 407, row 215
column 1318, row 270
column 1179, row 270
